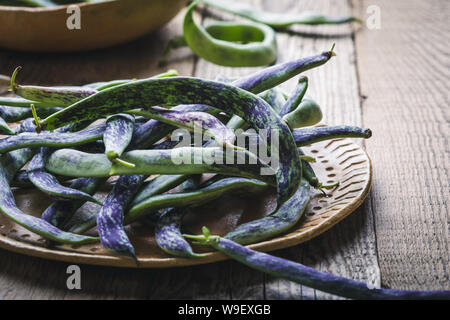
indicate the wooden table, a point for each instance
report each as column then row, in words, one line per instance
column 393, row 80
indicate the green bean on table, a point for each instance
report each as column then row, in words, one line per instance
column 276, row 20
column 229, row 43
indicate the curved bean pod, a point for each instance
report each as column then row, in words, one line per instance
column 109, row 84
column 276, row 20
column 168, row 235
column 117, row 136
column 218, row 43
column 58, row 96
column 110, row 217
column 272, row 76
column 158, row 185
column 184, row 90
column 296, row 97
column 278, row 222
column 48, row 184
column 51, row 139
column 152, row 131
column 14, row 114
column 307, row 276
column 307, row 136
column 60, row 212
column 308, row 113
column 202, row 122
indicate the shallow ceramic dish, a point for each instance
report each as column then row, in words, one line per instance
column 103, row 24
column 337, row 160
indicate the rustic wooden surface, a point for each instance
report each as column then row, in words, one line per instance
column 393, row 80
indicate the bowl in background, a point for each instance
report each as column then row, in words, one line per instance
column 102, row 24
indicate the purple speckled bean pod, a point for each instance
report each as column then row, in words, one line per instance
column 307, row 136
column 110, row 217
column 202, row 122
column 152, row 131
column 118, row 133
column 51, row 139
column 272, row 76
column 307, row 276
column 296, row 96
column 168, row 235
column 58, row 96
column 48, row 184
column 60, row 212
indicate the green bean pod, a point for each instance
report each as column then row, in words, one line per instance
column 183, row 160
column 308, row 113
column 21, row 102
column 276, row 20
column 58, row 96
column 234, row 44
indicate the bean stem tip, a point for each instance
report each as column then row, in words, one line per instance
column 14, row 86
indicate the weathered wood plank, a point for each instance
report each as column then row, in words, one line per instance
column 404, row 73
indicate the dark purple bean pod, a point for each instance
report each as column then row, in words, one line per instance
column 110, row 217
column 60, row 212
column 57, row 96
column 50, row 139
column 203, row 122
column 282, row 220
column 296, row 97
column 21, row 179
column 272, row 76
column 296, row 272
column 152, row 131
column 48, row 184
column 307, row 136
column 118, row 133
column 168, row 235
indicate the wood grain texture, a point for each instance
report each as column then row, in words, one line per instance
column 404, row 72
column 348, row 249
